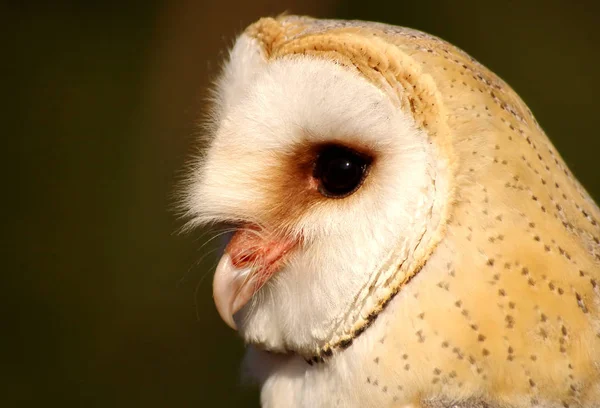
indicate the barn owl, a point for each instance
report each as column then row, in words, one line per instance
column 405, row 234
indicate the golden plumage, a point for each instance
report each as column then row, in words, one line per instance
column 500, row 304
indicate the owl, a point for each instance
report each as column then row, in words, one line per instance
column 404, row 233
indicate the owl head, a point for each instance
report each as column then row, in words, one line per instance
column 334, row 190
column 381, row 183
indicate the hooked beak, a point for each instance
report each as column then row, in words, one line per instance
column 249, row 261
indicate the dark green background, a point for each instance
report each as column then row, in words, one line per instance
column 103, row 304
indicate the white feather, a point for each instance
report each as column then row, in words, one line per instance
column 265, row 108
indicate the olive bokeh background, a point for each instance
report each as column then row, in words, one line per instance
column 103, row 304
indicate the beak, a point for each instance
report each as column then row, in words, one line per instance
column 227, row 289
column 248, row 262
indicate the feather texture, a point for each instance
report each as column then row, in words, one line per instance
column 463, row 273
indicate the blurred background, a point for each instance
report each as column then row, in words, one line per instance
column 103, row 305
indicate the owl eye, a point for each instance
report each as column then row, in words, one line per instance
column 340, row 171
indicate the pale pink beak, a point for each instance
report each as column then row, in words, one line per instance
column 249, row 261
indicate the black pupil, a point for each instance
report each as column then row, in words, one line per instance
column 340, row 171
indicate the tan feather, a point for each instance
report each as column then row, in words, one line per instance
column 505, row 295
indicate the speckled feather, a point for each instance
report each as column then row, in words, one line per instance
column 504, row 305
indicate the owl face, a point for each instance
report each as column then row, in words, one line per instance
column 330, row 188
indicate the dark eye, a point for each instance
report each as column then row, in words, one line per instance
column 340, row 171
